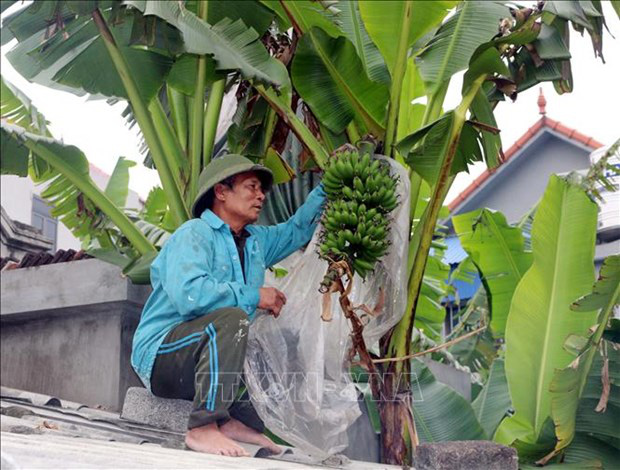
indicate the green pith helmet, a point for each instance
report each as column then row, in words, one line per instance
column 220, row 169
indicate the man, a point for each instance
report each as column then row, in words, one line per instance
column 207, row 285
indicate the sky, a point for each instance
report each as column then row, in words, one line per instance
column 592, row 108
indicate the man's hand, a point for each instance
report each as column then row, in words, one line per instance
column 271, row 299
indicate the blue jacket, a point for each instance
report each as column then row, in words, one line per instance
column 198, row 271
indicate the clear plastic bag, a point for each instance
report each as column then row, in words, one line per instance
column 296, row 368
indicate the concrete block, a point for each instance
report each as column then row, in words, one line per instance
column 141, row 406
column 67, row 331
column 66, row 288
column 465, row 455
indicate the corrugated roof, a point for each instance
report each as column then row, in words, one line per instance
column 40, row 431
column 541, row 124
column 455, row 253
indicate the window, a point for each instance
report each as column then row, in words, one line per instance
column 43, row 220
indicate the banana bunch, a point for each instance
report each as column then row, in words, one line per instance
column 360, row 193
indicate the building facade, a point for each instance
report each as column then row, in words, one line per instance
column 27, row 224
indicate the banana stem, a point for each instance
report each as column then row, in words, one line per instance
column 173, row 192
column 319, row 154
column 398, row 74
column 353, row 133
column 197, row 116
column 169, row 140
column 212, row 116
column 178, row 113
column 431, row 113
column 402, row 332
column 270, row 127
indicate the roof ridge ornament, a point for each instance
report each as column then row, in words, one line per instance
column 542, row 103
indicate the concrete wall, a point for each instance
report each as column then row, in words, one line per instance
column 521, row 181
column 16, row 195
column 71, row 337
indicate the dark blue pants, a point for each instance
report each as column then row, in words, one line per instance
column 202, row 360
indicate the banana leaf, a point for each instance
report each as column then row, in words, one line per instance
column 74, row 58
column 232, row 44
column 330, row 77
column 567, row 386
column 491, row 142
column 76, row 200
column 307, row 14
column 427, row 158
column 493, row 402
column 563, row 239
column 388, row 21
column 16, row 108
column 597, row 433
column 117, row 188
column 430, row 312
column 84, row 208
column 440, row 413
column 605, row 292
column 410, row 114
column 253, row 14
column 284, row 199
column 353, row 28
column 473, row 24
column 498, row 251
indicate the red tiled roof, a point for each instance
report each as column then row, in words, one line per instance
column 42, row 258
column 543, row 122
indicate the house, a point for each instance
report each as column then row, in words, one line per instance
column 517, row 184
column 27, row 225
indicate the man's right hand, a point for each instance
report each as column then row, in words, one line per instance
column 271, row 299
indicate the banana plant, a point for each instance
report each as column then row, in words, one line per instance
column 541, row 306
column 327, row 72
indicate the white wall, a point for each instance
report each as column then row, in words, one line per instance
column 16, row 196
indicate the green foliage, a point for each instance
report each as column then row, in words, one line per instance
column 493, row 401
column 596, row 426
column 388, row 21
column 569, row 385
column 498, row 252
column 232, row 45
column 75, row 59
column 565, row 222
column 449, row 51
column 354, row 29
column 117, row 187
column 359, row 67
column 440, row 413
column 348, row 94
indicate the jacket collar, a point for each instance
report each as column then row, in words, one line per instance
column 213, row 220
column 216, row 223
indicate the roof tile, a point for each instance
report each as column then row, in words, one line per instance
column 543, row 122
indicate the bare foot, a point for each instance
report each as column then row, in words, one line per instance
column 240, row 432
column 211, row 440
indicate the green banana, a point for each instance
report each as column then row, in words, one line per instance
column 357, row 184
column 348, row 192
column 360, row 192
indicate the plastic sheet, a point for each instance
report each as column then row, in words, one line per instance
column 296, row 369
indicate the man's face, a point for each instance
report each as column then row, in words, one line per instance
column 245, row 200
